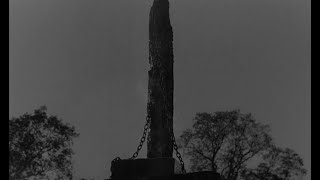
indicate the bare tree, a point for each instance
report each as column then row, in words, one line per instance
column 204, row 141
column 224, row 141
column 247, row 140
column 278, row 163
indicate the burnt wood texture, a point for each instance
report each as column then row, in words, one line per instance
column 160, row 85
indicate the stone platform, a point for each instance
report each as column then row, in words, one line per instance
column 155, row 169
column 205, row 175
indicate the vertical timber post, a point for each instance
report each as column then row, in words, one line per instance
column 159, row 163
column 160, row 85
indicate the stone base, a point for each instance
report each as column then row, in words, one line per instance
column 142, row 168
column 189, row 176
column 154, row 169
column 205, row 175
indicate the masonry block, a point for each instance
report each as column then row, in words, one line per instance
column 142, row 168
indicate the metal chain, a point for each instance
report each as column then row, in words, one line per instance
column 144, row 135
column 143, row 138
column 175, row 146
column 147, row 131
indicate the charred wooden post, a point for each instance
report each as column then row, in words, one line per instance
column 159, row 164
column 160, row 87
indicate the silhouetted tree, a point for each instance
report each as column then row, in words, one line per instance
column 247, row 140
column 224, row 141
column 278, row 164
column 39, row 144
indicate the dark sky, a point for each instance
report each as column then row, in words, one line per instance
column 87, row 61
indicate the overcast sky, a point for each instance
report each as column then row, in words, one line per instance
column 87, row 61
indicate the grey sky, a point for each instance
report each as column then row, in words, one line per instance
column 88, row 61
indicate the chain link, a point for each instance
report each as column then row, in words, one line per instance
column 146, row 131
column 143, row 138
column 144, row 135
column 175, row 146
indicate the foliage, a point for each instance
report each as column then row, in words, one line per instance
column 205, row 140
column 247, row 140
column 278, row 163
column 223, row 142
column 39, row 144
